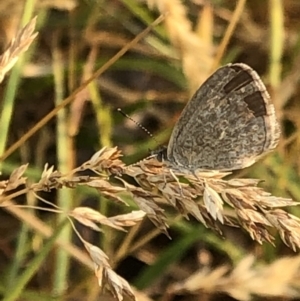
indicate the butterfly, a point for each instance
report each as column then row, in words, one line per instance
column 228, row 124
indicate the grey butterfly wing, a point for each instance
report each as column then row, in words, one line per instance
column 227, row 125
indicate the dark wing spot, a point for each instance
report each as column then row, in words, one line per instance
column 243, row 78
column 256, row 103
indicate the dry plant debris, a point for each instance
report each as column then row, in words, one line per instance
column 256, row 211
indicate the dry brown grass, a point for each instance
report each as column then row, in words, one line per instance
column 253, row 209
column 190, row 45
column 281, row 278
column 17, row 47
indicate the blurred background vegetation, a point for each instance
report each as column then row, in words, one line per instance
column 152, row 82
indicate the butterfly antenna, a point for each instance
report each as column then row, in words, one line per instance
column 137, row 123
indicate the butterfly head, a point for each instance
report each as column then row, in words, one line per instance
column 161, row 154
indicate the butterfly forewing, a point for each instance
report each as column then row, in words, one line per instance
column 227, row 125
